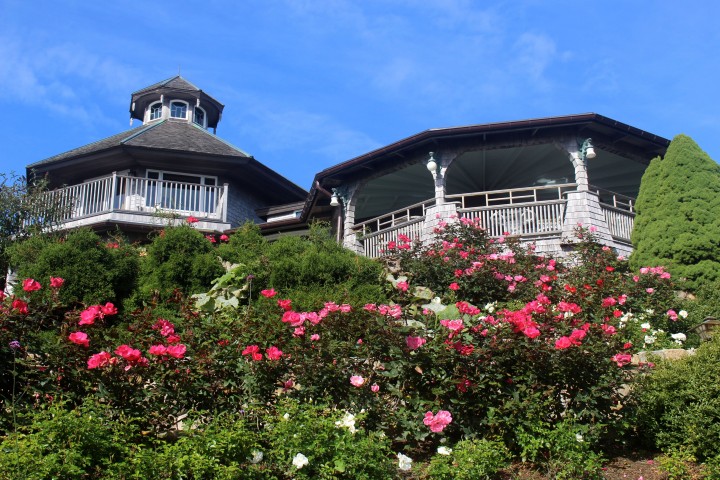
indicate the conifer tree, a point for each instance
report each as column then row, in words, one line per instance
column 678, row 215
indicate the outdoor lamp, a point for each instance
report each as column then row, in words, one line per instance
column 334, row 201
column 432, row 164
column 587, row 150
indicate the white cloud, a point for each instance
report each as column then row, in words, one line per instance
column 64, row 79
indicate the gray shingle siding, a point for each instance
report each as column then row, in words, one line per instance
column 241, row 207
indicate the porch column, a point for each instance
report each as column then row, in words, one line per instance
column 583, row 205
column 348, row 199
column 441, row 211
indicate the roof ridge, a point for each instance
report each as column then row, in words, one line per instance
column 221, row 140
column 157, row 84
column 48, row 159
column 141, row 131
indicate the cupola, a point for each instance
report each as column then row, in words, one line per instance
column 175, row 99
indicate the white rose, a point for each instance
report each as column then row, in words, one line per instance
column 444, row 450
column 257, row 456
column 404, row 462
column 649, row 339
column 300, row 461
column 683, row 313
column 679, row 337
column 645, row 326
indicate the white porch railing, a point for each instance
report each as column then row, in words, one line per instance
column 374, row 244
column 517, row 211
column 135, row 194
column 619, row 211
column 525, row 212
column 375, row 234
column 542, row 218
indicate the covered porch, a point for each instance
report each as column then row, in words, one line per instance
column 538, row 191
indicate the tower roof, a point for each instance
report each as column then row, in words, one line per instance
column 176, row 88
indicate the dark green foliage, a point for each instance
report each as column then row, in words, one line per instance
column 179, row 258
column 470, row 460
column 706, row 304
column 678, row 404
column 94, row 271
column 65, row 443
column 305, row 269
column 24, row 210
column 678, row 214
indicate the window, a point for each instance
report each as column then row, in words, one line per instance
column 155, row 111
column 178, row 191
column 178, row 109
column 199, row 116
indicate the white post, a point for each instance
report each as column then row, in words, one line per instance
column 224, row 202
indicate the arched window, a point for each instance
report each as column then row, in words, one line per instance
column 178, row 109
column 155, row 111
column 199, row 116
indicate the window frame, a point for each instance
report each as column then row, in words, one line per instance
column 150, row 111
column 204, row 117
column 182, row 102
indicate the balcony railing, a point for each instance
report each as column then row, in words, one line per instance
column 374, row 234
column 619, row 211
column 121, row 193
column 529, row 213
column 518, row 211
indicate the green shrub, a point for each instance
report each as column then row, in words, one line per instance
column 678, row 214
column 179, row 258
column 55, row 442
column 332, row 442
column 678, row 403
column 94, row 270
column 222, row 450
column 469, row 460
column 310, row 270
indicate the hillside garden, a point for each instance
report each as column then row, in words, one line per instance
column 217, row 357
column 231, row 357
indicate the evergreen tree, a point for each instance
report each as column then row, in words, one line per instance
column 678, row 215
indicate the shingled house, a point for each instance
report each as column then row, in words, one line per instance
column 169, row 168
column 536, row 179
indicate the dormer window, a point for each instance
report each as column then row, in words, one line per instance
column 199, row 116
column 178, row 109
column 155, row 111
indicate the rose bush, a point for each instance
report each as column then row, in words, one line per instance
column 477, row 338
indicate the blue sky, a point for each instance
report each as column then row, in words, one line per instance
column 308, row 84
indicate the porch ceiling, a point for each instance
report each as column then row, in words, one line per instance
column 483, row 170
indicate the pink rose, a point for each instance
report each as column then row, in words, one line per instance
column 31, row 285
column 99, row 360
column 453, row 325
column 274, row 353
column 128, row 353
column 56, row 282
column 269, row 293
column 414, row 343
column 108, row 309
column 177, row 351
column 357, row 381
column 79, row 338
column 562, row 343
column 437, row 423
column 89, row 315
column 254, row 352
column 158, row 350
column 375, row 388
